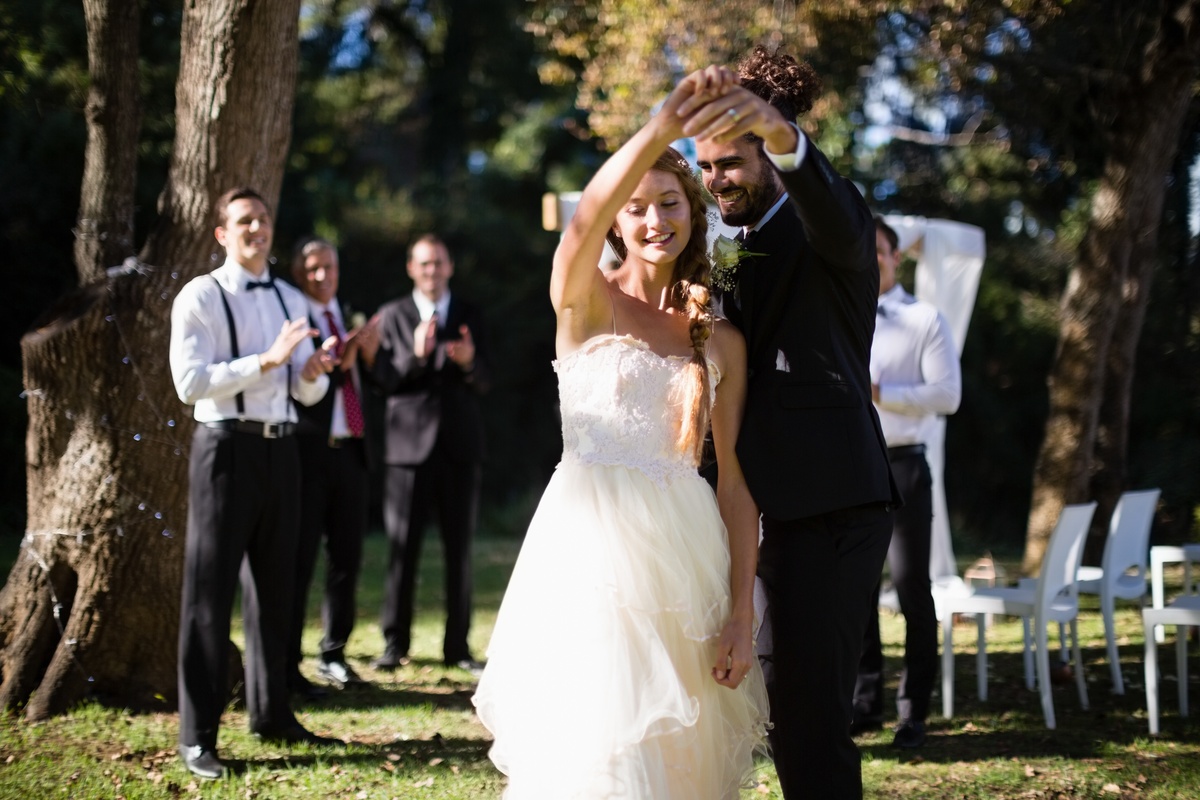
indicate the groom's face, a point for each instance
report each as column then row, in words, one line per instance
column 740, row 179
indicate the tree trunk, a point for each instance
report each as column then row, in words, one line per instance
column 1104, row 305
column 104, row 227
column 92, row 604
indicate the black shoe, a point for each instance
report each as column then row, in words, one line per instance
column 202, row 761
column 296, row 734
column 861, row 723
column 338, row 672
column 390, row 660
column 909, row 735
column 303, row 687
column 469, row 664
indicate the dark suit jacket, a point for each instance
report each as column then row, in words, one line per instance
column 810, row 441
column 430, row 399
column 315, row 420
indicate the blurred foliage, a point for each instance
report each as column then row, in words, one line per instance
column 456, row 115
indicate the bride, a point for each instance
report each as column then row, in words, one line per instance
column 622, row 664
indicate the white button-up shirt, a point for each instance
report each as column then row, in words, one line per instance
column 915, row 364
column 205, row 373
column 338, row 427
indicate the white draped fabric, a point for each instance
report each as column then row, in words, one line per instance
column 949, row 261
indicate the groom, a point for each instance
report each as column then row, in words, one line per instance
column 810, row 444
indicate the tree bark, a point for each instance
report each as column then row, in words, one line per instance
column 1104, row 305
column 92, row 604
column 104, row 227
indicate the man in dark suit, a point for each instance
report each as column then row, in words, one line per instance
column 810, row 443
column 432, row 366
column 333, row 469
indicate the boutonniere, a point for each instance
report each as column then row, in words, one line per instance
column 726, row 255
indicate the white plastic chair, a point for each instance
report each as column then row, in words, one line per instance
column 1123, row 568
column 1052, row 599
column 1183, row 612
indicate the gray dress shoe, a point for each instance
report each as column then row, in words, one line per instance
column 338, row 672
column 202, row 761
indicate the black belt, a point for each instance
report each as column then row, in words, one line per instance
column 267, row 430
column 906, row 451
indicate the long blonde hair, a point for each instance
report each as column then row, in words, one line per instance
column 689, row 293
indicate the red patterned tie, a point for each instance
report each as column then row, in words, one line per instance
column 354, row 415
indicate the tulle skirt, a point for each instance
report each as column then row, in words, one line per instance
column 598, row 682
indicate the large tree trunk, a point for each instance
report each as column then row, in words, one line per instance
column 1104, row 305
column 92, row 604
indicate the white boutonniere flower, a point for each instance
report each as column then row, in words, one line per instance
column 726, row 255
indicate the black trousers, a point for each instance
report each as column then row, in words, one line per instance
column 819, row 573
column 243, row 515
column 908, row 562
column 333, row 507
column 413, row 497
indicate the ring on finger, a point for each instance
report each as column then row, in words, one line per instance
column 733, row 114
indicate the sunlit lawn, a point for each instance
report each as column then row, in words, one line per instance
column 412, row 733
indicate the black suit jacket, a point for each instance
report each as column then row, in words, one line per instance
column 430, row 399
column 316, row 420
column 810, row 441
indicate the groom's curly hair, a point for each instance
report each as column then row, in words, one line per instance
column 790, row 85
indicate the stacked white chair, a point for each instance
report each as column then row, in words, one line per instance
column 1052, row 598
column 1183, row 612
column 1123, row 569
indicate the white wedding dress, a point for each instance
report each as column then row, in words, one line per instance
column 598, row 682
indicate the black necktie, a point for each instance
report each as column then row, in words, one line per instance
column 269, row 283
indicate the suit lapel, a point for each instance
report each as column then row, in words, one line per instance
column 773, row 275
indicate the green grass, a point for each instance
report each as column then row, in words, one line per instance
column 412, row 733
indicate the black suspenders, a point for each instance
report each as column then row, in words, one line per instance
column 240, row 399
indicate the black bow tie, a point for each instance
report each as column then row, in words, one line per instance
column 269, row 283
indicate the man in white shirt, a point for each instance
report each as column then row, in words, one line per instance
column 241, row 350
column 915, row 377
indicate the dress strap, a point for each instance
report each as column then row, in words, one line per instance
column 613, row 306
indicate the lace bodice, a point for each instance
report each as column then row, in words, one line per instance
column 621, row 406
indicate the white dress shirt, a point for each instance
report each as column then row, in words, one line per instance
column 206, row 374
column 915, row 364
column 426, row 307
column 338, row 427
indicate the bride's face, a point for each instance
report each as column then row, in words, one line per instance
column 655, row 224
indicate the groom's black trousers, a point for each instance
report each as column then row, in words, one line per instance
column 819, row 574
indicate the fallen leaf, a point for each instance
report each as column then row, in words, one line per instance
column 1111, row 788
column 433, row 762
column 425, row 784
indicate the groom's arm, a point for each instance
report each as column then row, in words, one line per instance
column 836, row 219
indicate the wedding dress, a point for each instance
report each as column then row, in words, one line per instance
column 598, row 682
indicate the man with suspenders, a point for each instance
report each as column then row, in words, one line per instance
column 241, row 351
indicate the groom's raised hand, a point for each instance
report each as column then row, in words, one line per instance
column 721, row 110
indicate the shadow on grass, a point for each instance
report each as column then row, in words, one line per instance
column 408, row 753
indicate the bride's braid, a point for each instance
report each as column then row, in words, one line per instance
column 691, row 294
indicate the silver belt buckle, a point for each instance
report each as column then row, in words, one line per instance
column 273, row 430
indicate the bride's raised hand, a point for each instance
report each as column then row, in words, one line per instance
column 706, row 85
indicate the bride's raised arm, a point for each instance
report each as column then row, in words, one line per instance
column 577, row 287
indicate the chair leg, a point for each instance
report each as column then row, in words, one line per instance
column 981, row 665
column 1110, row 639
column 1027, row 655
column 948, row 665
column 1151, row 662
column 1080, row 683
column 1043, row 673
column 1181, row 643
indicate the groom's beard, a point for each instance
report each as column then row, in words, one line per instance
column 757, row 201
